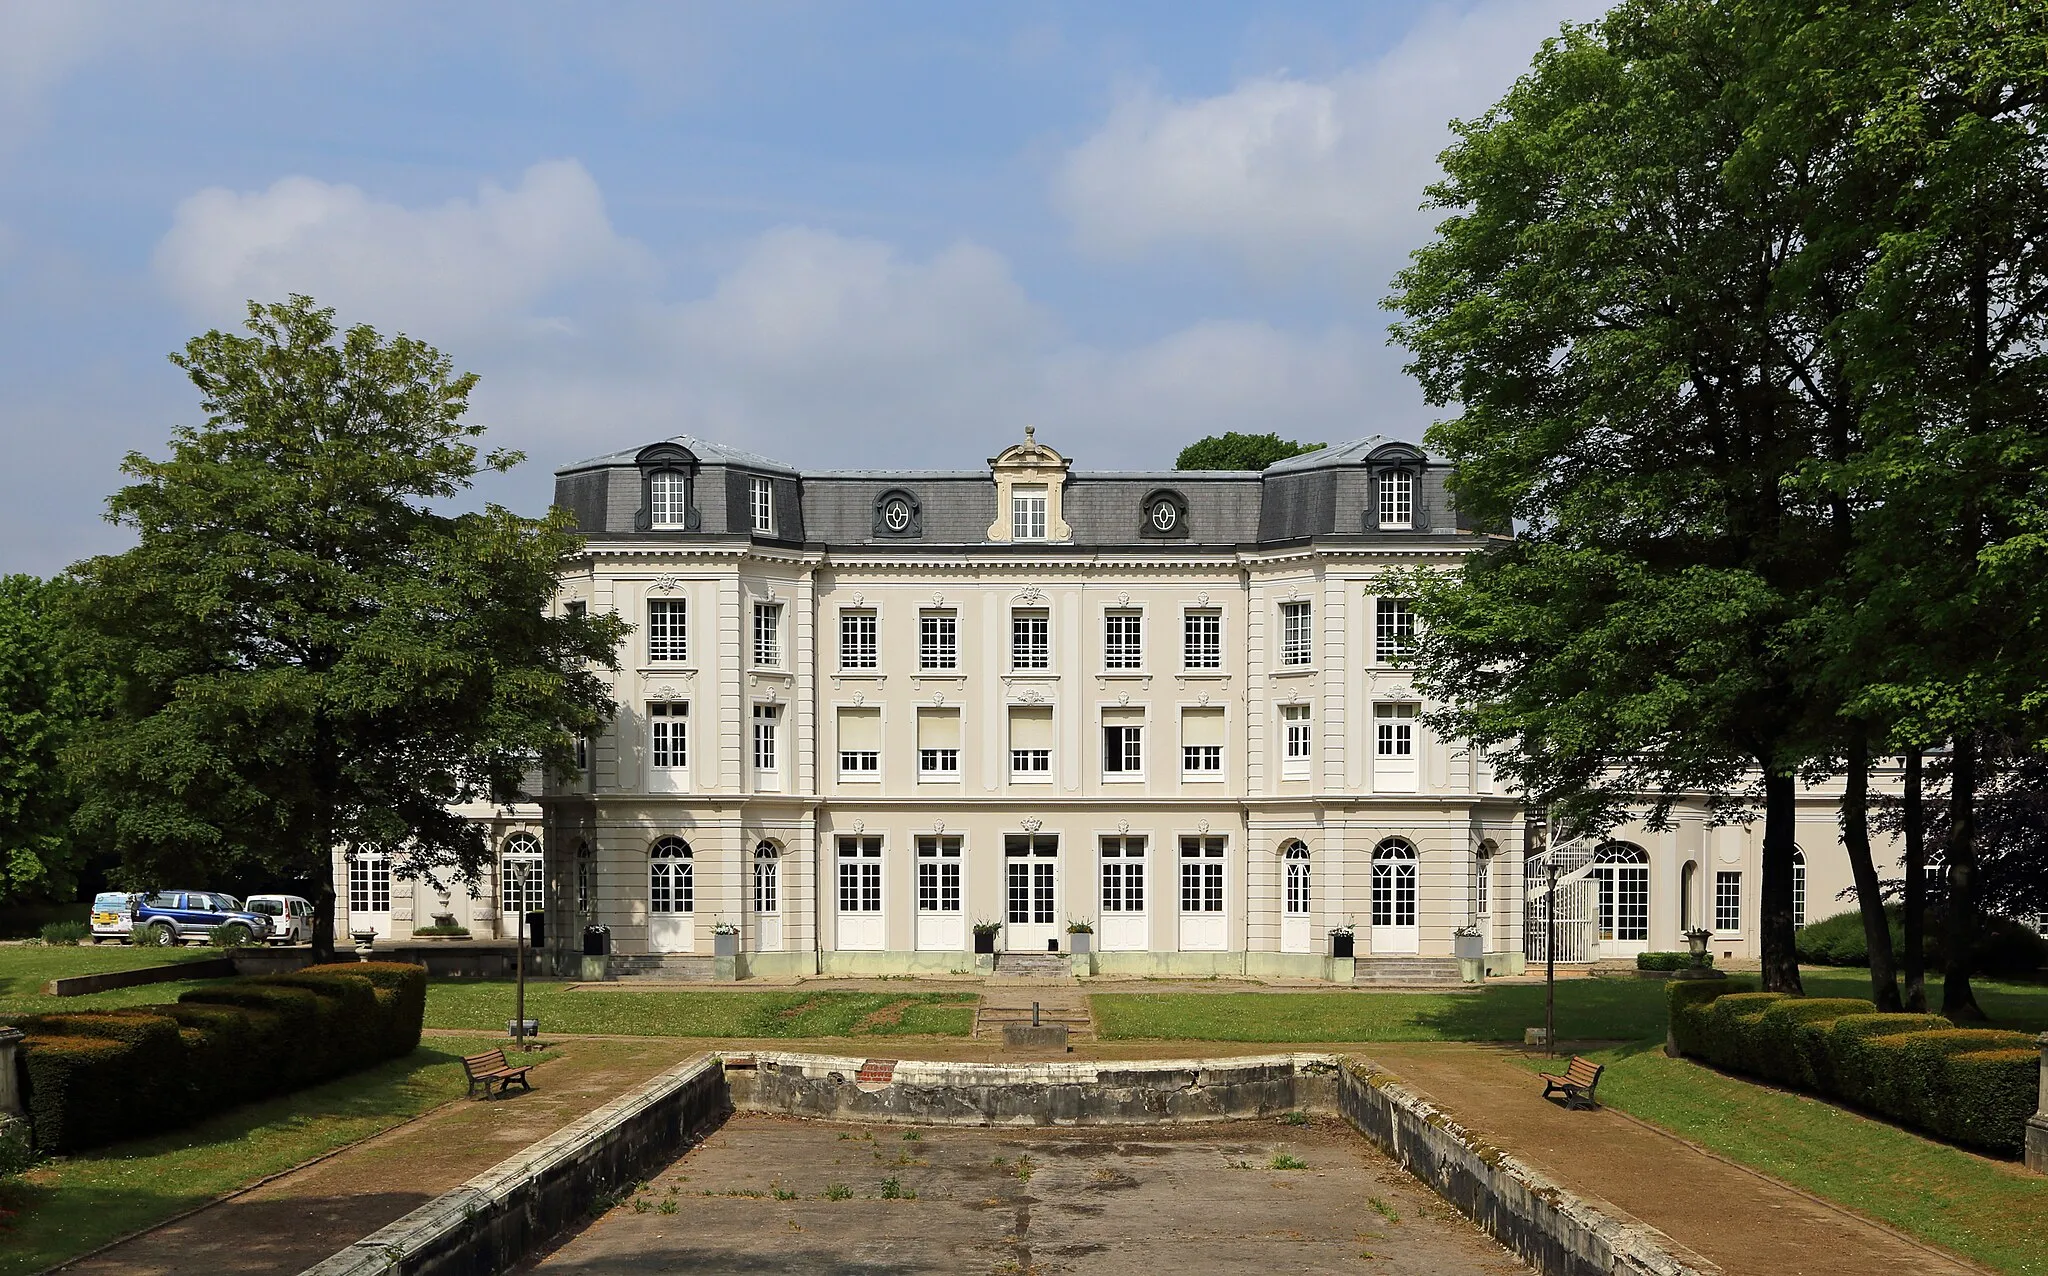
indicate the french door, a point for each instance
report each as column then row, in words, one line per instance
column 1031, row 877
column 1202, row 924
column 1124, row 927
column 860, row 894
column 941, row 921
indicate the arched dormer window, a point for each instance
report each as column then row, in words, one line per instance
column 1397, row 499
column 668, row 473
column 668, row 500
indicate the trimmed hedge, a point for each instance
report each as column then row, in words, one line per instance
column 2003, row 946
column 101, row 1076
column 1667, row 961
column 1974, row 1086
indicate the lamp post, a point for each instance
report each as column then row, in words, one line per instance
column 520, row 869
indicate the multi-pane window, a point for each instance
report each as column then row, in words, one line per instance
column 586, row 881
column 519, row 875
column 668, row 499
column 938, row 640
column 767, row 718
column 1394, row 730
column 1393, row 884
column 1482, row 887
column 1297, row 886
column 860, row 743
column 1397, row 499
column 369, row 883
column 1027, row 513
column 668, row 630
column 583, row 753
column 938, row 743
column 1123, row 640
column 1297, row 643
column 1030, row 640
column 1202, row 640
column 860, row 874
column 1031, row 870
column 671, row 879
column 767, row 878
column 1123, row 744
column 761, row 503
column 1123, row 874
column 1201, row 875
column 1201, row 742
column 858, row 648
column 1393, row 634
column 1031, row 742
column 1798, row 888
column 768, row 635
column 1295, row 726
column 668, row 734
column 1728, row 901
column 938, row 874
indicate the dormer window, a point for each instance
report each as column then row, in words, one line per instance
column 761, row 504
column 1397, row 499
column 1027, row 513
column 668, row 496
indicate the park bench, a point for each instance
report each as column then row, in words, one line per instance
column 1577, row 1084
column 489, row 1068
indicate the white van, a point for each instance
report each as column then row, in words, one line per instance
column 291, row 918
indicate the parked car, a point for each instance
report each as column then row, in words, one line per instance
column 176, row 917
column 291, row 918
column 113, row 914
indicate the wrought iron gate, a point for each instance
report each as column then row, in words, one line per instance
column 1573, row 937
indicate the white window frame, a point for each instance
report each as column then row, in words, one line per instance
column 1120, row 870
column 515, row 898
column 1029, row 650
column 1123, row 639
column 1204, row 875
column 768, row 635
column 1394, row 729
column 1393, row 634
column 1728, row 901
column 1030, row 506
column 767, row 894
column 761, row 504
column 1297, row 745
column 1297, row 634
column 1397, row 499
column 1798, row 888
column 668, row 500
column 1128, row 749
column 938, row 641
column 860, row 645
column 369, row 882
column 668, row 640
column 1201, row 638
column 860, row 765
column 940, row 873
column 767, row 739
column 668, row 735
column 860, row 876
column 1298, row 885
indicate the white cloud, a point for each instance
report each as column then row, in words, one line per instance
column 466, row 265
column 1291, row 174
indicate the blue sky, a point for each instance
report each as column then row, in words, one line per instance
column 846, row 235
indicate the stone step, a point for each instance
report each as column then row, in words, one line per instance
column 1033, row 965
column 1408, row 972
column 662, row 966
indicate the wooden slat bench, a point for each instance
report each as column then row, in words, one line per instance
column 1577, row 1084
column 490, row 1068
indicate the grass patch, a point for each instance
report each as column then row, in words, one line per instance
column 25, row 968
column 1587, row 1010
column 1988, row 1210
column 65, row 1207
column 485, row 1006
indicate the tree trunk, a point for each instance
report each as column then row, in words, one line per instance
column 1916, row 888
column 1877, row 930
column 1959, row 853
column 1780, row 949
column 323, row 915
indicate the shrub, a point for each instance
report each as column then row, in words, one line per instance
column 66, row 934
column 438, row 931
column 97, row 1076
column 229, row 935
column 1667, row 961
column 1976, row 1086
column 2003, row 947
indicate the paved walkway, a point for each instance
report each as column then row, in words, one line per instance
column 1739, row 1221
column 295, row 1221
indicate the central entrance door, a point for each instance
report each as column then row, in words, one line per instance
column 1031, row 866
column 941, row 923
column 1124, row 928
column 1394, row 928
column 671, row 898
column 1295, row 913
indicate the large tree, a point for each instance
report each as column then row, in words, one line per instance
column 313, row 655
column 1234, row 451
column 44, row 699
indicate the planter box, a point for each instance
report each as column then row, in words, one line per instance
column 1468, row 947
column 984, row 943
column 1079, row 942
column 1341, row 945
column 725, row 945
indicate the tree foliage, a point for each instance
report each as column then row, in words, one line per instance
column 1234, row 451
column 44, row 698
column 313, row 657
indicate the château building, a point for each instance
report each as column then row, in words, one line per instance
column 861, row 712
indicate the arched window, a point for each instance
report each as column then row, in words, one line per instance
column 668, row 498
column 520, row 879
column 1798, row 887
column 1623, row 871
column 1393, row 883
column 671, row 887
column 1482, row 879
column 586, row 879
column 1296, row 857
column 369, row 882
column 767, row 878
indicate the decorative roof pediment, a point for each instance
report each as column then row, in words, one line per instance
column 665, row 453
column 1029, row 464
column 1029, row 455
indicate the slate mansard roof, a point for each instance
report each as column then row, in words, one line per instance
column 1328, row 494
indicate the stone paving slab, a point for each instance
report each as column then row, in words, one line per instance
column 779, row 1194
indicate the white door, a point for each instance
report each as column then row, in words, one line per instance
column 1123, row 928
column 941, row 923
column 1202, row 920
column 1621, row 873
column 1295, row 915
column 1394, row 927
column 861, row 925
column 767, row 901
column 369, row 893
column 671, row 898
column 1031, row 878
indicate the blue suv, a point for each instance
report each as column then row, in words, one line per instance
column 175, row 917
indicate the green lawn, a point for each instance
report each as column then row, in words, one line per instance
column 1992, row 1211
column 25, row 968
column 1587, row 1010
column 486, row 1006
column 70, row 1205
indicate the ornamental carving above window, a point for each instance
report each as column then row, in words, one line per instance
column 1163, row 515
column 898, row 514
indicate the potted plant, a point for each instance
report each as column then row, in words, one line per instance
column 985, row 936
column 1696, row 941
column 1466, row 943
column 725, row 939
column 1079, row 936
column 1341, row 940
